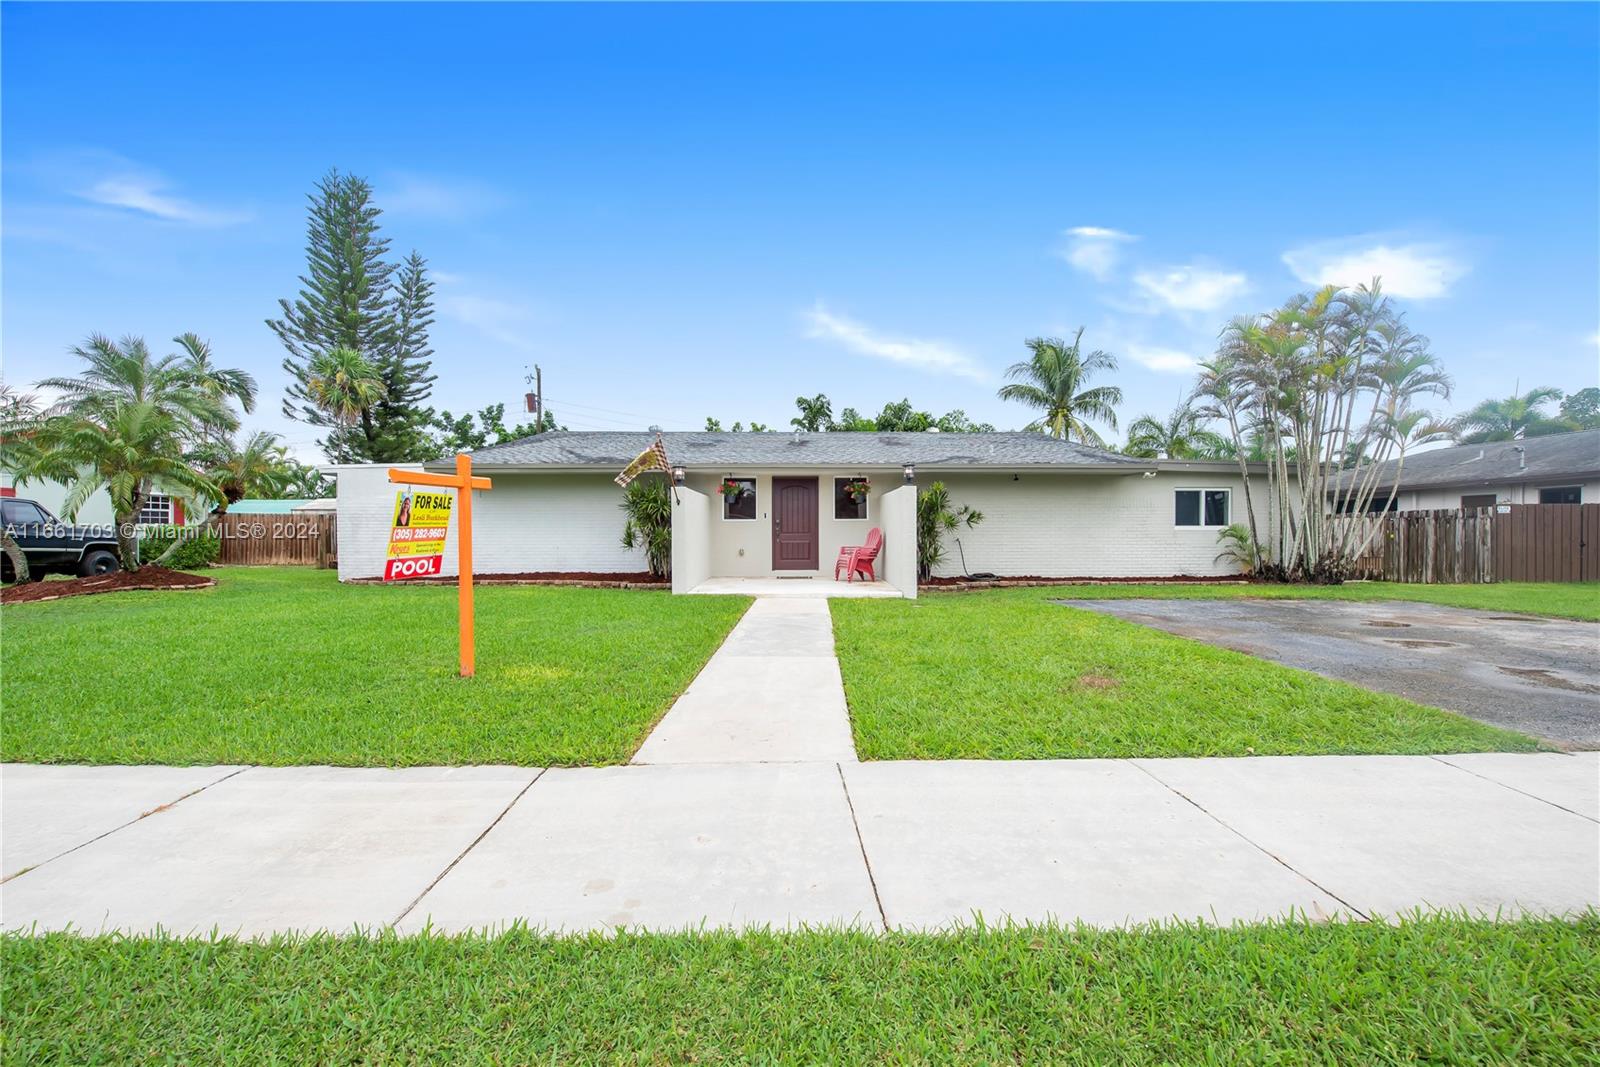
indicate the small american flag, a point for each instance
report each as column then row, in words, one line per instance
column 653, row 458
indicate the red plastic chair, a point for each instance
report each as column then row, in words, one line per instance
column 857, row 559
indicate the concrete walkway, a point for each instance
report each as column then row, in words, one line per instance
column 916, row 844
column 771, row 693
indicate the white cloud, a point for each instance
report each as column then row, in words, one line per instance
column 1162, row 360
column 1414, row 271
column 933, row 356
column 499, row 320
column 1095, row 249
column 145, row 193
column 449, row 199
column 1191, row 287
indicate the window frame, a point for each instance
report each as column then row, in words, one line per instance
column 13, row 505
column 865, row 515
column 755, row 491
column 1202, row 490
column 1494, row 500
column 165, row 499
column 1578, row 489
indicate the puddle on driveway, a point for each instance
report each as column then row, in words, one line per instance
column 1540, row 676
column 1386, row 622
column 1417, row 642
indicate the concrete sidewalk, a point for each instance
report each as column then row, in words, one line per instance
column 771, row 693
column 916, row 845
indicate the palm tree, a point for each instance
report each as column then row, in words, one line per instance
column 937, row 516
column 131, row 424
column 1509, row 419
column 1053, row 382
column 221, row 383
column 1181, row 436
column 259, row 467
column 816, row 413
column 126, row 447
column 126, row 371
column 647, row 505
column 344, row 385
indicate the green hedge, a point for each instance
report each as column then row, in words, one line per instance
column 200, row 549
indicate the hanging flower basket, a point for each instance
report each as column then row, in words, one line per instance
column 732, row 490
column 858, row 489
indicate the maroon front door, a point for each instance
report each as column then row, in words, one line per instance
column 794, row 524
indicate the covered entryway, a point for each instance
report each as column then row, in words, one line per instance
column 783, row 540
column 794, row 524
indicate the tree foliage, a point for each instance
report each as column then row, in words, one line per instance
column 1511, row 418
column 134, row 424
column 1328, row 385
column 937, row 515
column 1054, row 381
column 897, row 416
column 647, row 505
column 1181, row 435
column 353, row 299
column 464, row 433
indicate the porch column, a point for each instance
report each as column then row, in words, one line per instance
column 691, row 538
column 897, row 518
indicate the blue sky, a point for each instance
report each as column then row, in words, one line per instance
column 691, row 211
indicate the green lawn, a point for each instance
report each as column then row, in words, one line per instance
column 1004, row 674
column 1435, row 989
column 286, row 666
column 1566, row 600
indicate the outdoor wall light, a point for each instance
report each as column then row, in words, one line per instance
column 910, row 473
column 677, row 475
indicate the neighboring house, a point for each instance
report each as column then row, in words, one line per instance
column 1051, row 508
column 159, row 510
column 1557, row 469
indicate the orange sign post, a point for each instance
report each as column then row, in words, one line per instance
column 464, row 483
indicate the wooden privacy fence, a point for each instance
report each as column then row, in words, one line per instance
column 308, row 540
column 1508, row 543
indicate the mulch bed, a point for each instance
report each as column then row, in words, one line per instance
column 586, row 579
column 146, row 577
column 939, row 585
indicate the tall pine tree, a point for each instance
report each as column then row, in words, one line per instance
column 353, row 297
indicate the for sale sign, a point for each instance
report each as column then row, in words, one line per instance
column 416, row 537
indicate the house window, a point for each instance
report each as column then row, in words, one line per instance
column 738, row 502
column 157, row 510
column 1478, row 500
column 846, row 505
column 1203, row 508
column 1561, row 494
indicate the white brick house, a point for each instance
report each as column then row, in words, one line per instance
column 1051, row 508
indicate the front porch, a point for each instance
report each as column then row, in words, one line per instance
column 778, row 532
column 797, row 588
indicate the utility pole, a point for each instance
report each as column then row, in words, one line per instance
column 535, row 399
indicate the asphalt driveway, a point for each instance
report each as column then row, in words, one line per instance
column 1539, row 676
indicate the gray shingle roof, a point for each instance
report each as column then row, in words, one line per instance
column 613, row 450
column 1566, row 455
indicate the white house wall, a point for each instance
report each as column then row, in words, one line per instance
column 1074, row 525
column 1040, row 523
column 742, row 548
column 1508, row 493
column 96, row 511
column 526, row 522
